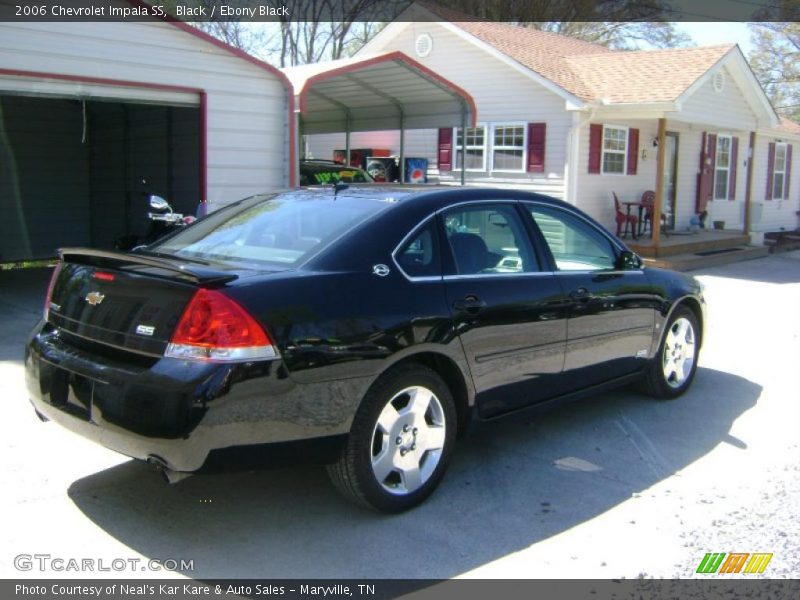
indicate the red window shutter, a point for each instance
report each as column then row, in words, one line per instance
column 788, row 177
column 633, row 150
column 595, row 147
column 705, row 177
column 770, row 169
column 445, row 154
column 734, row 159
column 537, row 135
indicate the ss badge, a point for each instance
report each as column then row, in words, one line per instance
column 145, row 329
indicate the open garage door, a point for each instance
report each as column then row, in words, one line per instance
column 77, row 172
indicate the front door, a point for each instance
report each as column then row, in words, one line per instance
column 612, row 311
column 670, row 177
column 509, row 313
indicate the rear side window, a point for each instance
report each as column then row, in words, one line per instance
column 420, row 256
column 280, row 230
column 489, row 239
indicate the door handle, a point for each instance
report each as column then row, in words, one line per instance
column 581, row 295
column 470, row 304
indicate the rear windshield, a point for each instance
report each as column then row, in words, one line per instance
column 277, row 230
column 325, row 174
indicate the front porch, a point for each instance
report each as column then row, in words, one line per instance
column 683, row 251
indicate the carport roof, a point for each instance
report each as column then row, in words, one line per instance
column 368, row 93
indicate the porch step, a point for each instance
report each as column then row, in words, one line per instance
column 782, row 242
column 678, row 245
column 713, row 258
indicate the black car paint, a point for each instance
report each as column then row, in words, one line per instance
column 337, row 327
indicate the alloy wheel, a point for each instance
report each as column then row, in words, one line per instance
column 679, row 352
column 408, row 440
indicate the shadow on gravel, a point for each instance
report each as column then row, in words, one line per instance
column 511, row 484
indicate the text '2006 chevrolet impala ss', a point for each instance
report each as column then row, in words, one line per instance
column 364, row 327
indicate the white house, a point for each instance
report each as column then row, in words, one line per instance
column 88, row 110
column 578, row 121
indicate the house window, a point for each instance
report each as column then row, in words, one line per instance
column 779, row 173
column 476, row 148
column 722, row 170
column 615, row 149
column 508, row 150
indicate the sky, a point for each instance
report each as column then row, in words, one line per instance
column 710, row 33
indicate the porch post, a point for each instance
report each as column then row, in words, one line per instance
column 402, row 177
column 748, row 193
column 655, row 226
column 347, row 140
column 463, row 145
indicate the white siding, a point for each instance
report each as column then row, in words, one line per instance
column 593, row 191
column 502, row 95
column 247, row 119
column 727, row 109
column 774, row 215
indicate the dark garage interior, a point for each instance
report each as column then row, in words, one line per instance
column 77, row 172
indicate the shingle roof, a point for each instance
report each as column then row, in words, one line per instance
column 591, row 71
column 789, row 126
column 647, row 75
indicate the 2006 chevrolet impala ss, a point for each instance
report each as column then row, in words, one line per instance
column 363, row 326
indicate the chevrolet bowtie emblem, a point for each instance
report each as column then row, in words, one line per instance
column 94, row 298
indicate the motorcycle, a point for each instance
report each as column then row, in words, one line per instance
column 162, row 221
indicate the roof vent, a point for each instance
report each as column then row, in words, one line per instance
column 719, row 81
column 424, row 45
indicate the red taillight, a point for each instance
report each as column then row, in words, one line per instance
column 50, row 287
column 214, row 327
column 103, row 276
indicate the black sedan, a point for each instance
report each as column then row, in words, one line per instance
column 364, row 327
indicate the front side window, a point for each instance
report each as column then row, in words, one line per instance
column 575, row 244
column 615, row 148
column 508, row 150
column 723, row 167
column 420, row 257
column 779, row 174
column 488, row 239
column 476, row 148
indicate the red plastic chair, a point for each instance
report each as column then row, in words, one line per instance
column 630, row 222
column 649, row 201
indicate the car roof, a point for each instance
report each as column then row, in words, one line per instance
column 407, row 194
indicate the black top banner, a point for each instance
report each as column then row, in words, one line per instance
column 518, row 11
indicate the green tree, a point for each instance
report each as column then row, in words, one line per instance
column 776, row 62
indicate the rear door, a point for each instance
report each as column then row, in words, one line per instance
column 509, row 313
column 612, row 311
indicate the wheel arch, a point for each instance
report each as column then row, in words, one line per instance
column 693, row 304
column 457, row 381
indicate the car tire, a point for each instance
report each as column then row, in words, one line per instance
column 672, row 370
column 400, row 442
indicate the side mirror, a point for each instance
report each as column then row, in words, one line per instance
column 628, row 261
column 158, row 203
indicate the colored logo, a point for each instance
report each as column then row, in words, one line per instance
column 94, row 298
column 735, row 562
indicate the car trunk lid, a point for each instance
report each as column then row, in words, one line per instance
column 129, row 301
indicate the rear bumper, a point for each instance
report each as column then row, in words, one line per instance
column 183, row 414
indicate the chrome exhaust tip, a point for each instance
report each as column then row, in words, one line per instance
column 169, row 475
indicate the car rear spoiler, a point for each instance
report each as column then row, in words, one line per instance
column 106, row 258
